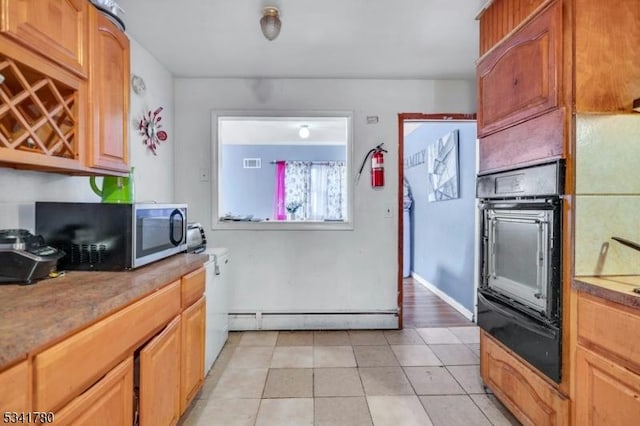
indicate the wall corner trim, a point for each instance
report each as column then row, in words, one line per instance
column 444, row 296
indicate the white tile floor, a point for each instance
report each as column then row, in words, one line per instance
column 424, row 376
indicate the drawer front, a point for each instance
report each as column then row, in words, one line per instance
column 610, row 328
column 107, row 403
column 531, row 399
column 71, row 366
column 193, row 287
column 14, row 388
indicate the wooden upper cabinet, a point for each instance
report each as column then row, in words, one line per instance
column 109, row 80
column 56, row 29
column 42, row 111
column 501, row 17
column 607, row 55
column 521, row 78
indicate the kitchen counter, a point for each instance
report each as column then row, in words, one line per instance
column 618, row 289
column 35, row 316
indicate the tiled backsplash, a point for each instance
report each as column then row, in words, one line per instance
column 608, row 193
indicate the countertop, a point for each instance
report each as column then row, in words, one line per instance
column 615, row 288
column 38, row 315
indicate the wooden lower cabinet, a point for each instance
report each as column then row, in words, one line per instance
column 107, row 403
column 531, row 399
column 68, row 368
column 192, row 360
column 14, row 384
column 606, row 393
column 160, row 378
column 607, row 387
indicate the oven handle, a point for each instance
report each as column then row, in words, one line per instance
column 522, row 321
column 543, row 205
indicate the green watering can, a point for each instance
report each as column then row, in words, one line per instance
column 115, row 189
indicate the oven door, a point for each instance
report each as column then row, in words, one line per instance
column 537, row 341
column 517, row 254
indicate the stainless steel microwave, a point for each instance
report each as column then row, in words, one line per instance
column 112, row 237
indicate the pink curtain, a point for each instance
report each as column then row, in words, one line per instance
column 278, row 203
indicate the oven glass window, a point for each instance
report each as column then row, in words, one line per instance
column 518, row 255
column 516, row 248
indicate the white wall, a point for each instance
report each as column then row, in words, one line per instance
column 310, row 271
column 153, row 174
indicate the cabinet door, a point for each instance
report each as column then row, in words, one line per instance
column 531, row 399
column 606, row 393
column 56, row 29
column 192, row 367
column 107, row 403
column 521, row 78
column 160, row 378
column 109, row 78
column 14, row 389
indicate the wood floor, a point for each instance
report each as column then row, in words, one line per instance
column 422, row 308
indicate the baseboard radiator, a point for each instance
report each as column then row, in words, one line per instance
column 313, row 320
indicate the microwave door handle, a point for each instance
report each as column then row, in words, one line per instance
column 172, row 219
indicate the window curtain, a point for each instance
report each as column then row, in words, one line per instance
column 279, row 212
column 296, row 184
column 315, row 191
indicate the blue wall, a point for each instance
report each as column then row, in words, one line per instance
column 251, row 191
column 443, row 232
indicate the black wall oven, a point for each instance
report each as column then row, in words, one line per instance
column 520, row 293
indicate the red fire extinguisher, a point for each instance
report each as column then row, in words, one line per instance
column 377, row 166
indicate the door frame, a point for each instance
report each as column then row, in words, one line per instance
column 402, row 117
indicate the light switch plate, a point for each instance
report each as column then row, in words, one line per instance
column 388, row 211
column 204, row 175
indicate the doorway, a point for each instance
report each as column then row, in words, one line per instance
column 447, row 217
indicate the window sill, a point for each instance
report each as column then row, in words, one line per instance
column 301, row 225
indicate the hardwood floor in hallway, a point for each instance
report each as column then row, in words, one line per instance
column 422, row 308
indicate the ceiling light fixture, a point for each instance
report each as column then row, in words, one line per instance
column 304, row 131
column 270, row 22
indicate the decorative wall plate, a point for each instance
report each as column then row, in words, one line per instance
column 149, row 128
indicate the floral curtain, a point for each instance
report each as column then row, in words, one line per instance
column 315, row 191
column 296, row 183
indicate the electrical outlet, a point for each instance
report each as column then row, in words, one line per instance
column 388, row 211
column 204, row 175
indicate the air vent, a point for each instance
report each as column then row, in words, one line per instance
column 252, row 163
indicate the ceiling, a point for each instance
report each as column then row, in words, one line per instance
column 394, row 39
